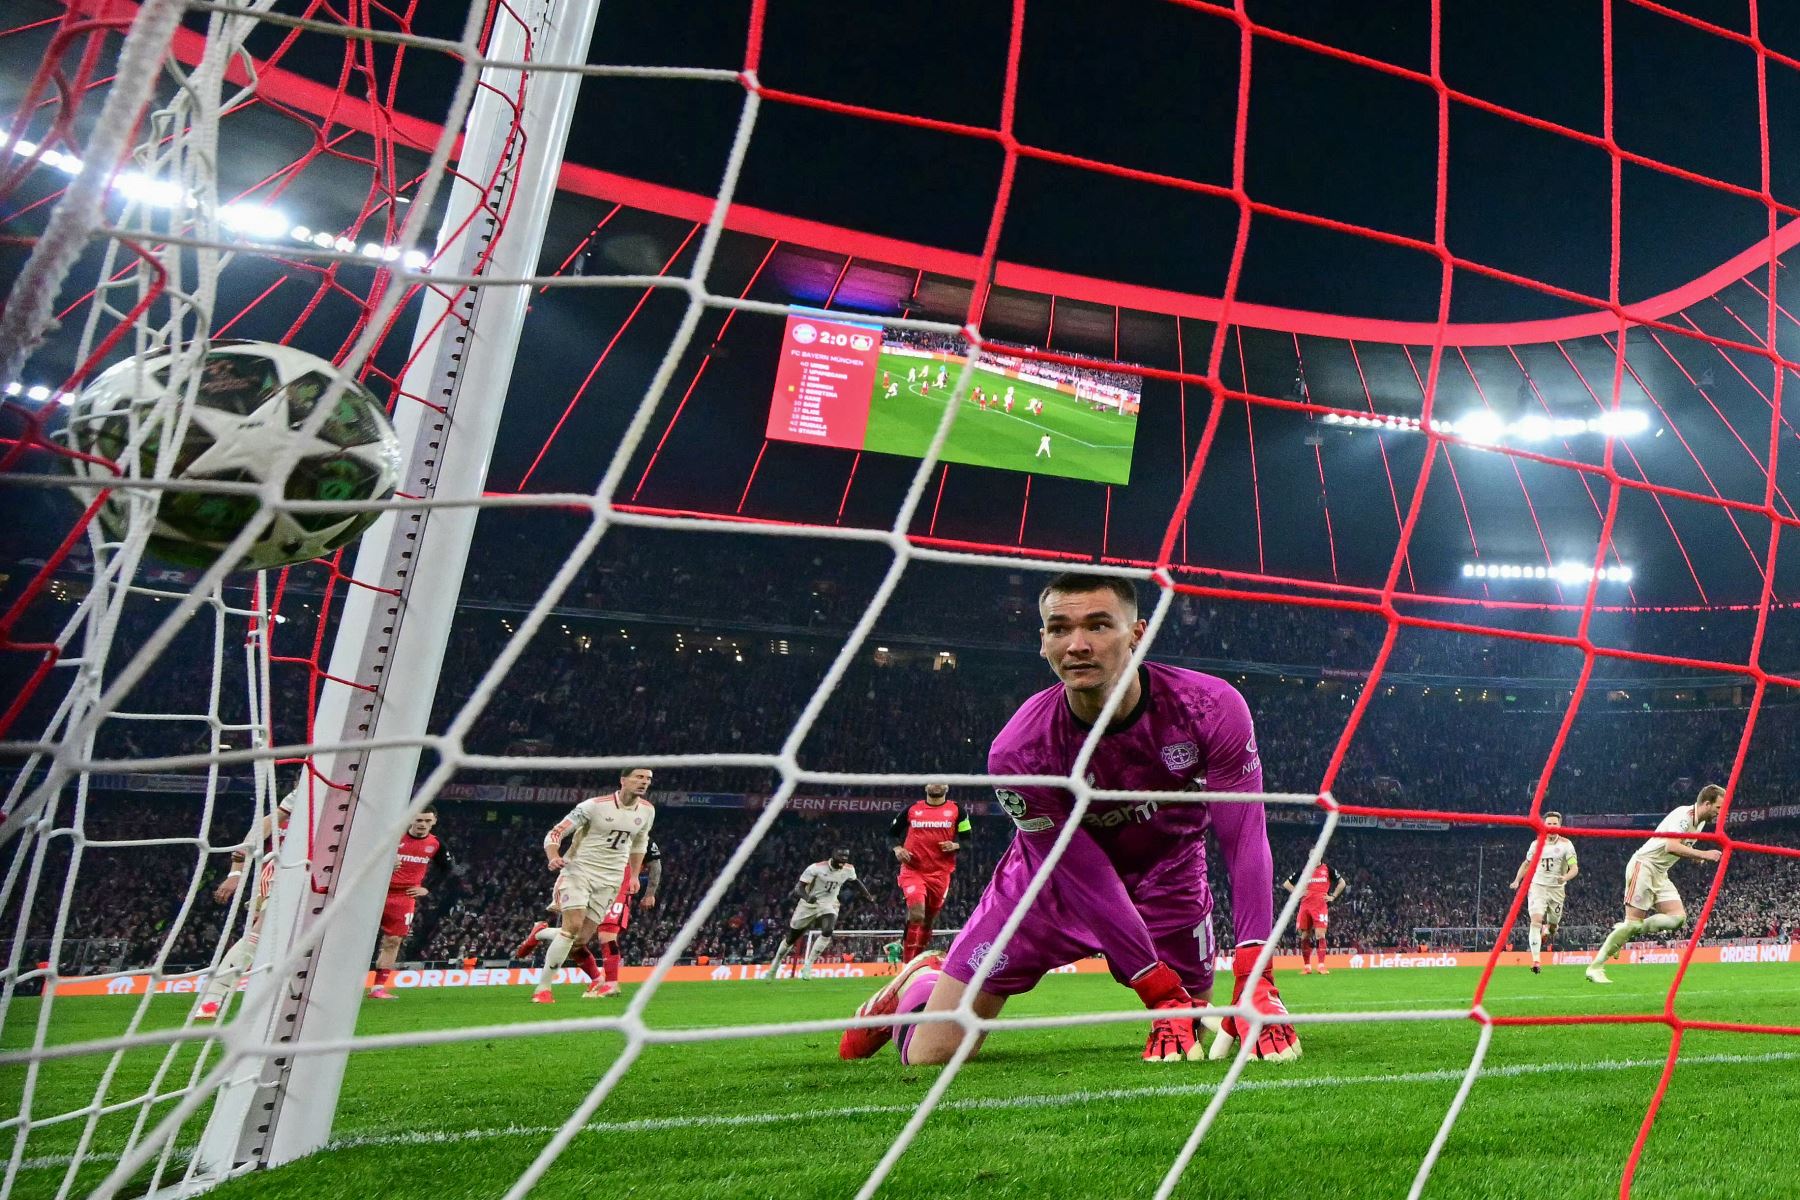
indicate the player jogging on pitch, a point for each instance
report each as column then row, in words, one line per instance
column 1551, row 871
column 819, row 895
column 618, row 920
column 928, row 830
column 1652, row 904
column 603, row 971
column 1132, row 882
column 612, row 834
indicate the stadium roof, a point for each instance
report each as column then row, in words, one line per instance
column 838, row 203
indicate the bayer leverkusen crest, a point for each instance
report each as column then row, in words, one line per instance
column 1180, row 756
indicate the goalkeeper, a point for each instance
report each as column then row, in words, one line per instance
column 1132, row 883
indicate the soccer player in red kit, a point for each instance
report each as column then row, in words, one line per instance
column 1323, row 887
column 418, row 850
column 928, row 831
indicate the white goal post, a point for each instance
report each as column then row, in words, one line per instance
column 462, row 360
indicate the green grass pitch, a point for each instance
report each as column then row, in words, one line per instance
column 1044, row 1114
column 1084, row 444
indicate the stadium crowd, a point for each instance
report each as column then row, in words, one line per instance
column 675, row 643
column 128, row 900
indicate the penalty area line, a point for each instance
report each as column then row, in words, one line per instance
column 445, row 1137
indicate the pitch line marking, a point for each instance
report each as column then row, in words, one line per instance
column 445, row 1137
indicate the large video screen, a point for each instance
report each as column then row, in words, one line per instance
column 856, row 386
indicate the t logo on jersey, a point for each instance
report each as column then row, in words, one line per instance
column 1180, row 756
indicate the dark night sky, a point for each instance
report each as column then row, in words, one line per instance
column 1154, row 86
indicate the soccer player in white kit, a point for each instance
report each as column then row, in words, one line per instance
column 1043, row 450
column 1647, row 885
column 1551, row 871
column 818, row 893
column 238, row 956
column 607, row 852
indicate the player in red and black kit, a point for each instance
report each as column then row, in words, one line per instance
column 418, row 850
column 1323, row 887
column 618, row 920
column 927, row 854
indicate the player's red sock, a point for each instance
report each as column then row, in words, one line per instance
column 609, row 954
column 583, row 958
column 382, row 975
column 913, row 944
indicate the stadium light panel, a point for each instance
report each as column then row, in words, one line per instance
column 1481, row 427
column 1566, row 572
column 254, row 220
column 1487, row 429
column 1534, row 429
column 1623, row 423
column 245, row 218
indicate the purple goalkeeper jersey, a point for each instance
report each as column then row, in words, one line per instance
column 1188, row 732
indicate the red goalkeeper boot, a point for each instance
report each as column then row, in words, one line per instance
column 863, row 1041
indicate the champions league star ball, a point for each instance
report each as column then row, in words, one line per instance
column 249, row 404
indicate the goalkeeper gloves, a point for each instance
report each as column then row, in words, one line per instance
column 1274, row 1043
column 1171, row 1038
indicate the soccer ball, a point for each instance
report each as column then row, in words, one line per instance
column 250, row 401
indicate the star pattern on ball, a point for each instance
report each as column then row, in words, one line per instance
column 253, row 442
column 286, row 541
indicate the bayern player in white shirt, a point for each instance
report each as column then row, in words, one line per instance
column 238, row 956
column 1551, row 871
column 819, row 895
column 611, row 834
column 1652, row 904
